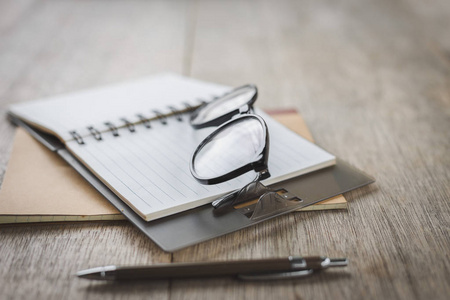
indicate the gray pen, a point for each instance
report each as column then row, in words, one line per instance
column 261, row 269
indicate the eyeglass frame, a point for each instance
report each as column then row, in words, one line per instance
column 259, row 164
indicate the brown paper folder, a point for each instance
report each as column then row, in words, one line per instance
column 40, row 186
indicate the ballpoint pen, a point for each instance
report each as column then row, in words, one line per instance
column 261, row 269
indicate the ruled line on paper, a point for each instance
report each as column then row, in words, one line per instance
column 174, row 166
column 117, row 183
column 180, row 176
column 145, row 182
column 149, row 163
column 134, row 182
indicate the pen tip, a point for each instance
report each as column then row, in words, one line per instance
column 87, row 274
column 99, row 273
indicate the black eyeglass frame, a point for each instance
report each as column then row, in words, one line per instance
column 259, row 163
column 244, row 109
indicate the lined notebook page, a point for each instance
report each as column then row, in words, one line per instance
column 149, row 168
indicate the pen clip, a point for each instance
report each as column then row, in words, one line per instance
column 276, row 276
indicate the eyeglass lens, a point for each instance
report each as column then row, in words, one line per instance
column 232, row 147
column 226, row 104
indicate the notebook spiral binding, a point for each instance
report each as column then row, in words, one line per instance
column 112, row 128
column 97, row 135
column 77, row 137
column 132, row 126
column 129, row 125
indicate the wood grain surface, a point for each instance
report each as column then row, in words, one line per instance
column 371, row 79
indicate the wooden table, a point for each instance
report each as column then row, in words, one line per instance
column 371, row 78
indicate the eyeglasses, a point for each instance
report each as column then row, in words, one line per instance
column 239, row 145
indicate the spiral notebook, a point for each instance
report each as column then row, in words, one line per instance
column 136, row 139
